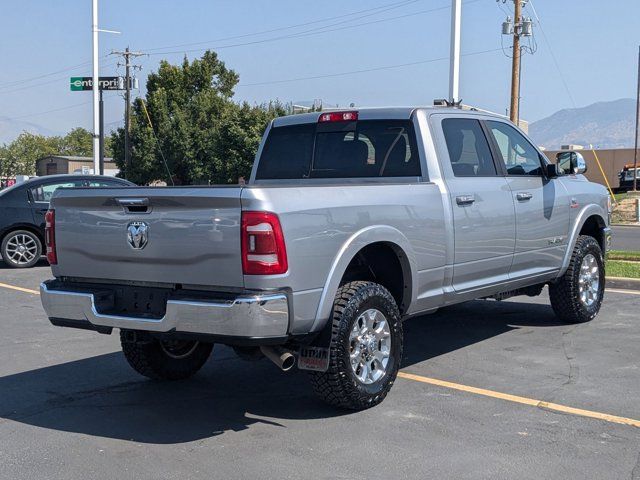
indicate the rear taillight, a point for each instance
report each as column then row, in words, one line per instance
column 50, row 236
column 263, row 249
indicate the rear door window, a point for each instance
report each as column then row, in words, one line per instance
column 367, row 148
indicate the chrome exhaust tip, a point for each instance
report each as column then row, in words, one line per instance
column 284, row 359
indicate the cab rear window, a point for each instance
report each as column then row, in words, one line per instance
column 366, row 148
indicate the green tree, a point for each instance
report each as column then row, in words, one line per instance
column 19, row 157
column 79, row 142
column 204, row 135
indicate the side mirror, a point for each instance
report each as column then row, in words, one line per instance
column 571, row 163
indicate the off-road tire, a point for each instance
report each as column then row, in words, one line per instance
column 147, row 356
column 565, row 292
column 339, row 386
column 7, row 258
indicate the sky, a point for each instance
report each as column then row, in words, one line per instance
column 399, row 47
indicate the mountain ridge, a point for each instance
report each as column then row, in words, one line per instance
column 608, row 124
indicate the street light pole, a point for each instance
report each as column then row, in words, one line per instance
column 635, row 151
column 454, row 58
column 96, row 88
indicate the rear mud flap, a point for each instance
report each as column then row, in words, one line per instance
column 315, row 356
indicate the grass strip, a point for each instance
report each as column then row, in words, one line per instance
column 622, row 255
column 617, row 268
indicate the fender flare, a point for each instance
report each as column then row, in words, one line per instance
column 581, row 218
column 355, row 243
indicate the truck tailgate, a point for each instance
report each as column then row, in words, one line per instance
column 185, row 235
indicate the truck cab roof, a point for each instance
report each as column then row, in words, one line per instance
column 376, row 113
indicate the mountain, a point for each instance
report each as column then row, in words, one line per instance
column 10, row 129
column 603, row 124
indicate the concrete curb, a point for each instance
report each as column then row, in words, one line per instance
column 625, row 224
column 623, row 283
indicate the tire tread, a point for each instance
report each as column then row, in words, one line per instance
column 334, row 386
column 564, row 293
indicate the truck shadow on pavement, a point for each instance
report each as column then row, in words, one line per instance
column 101, row 396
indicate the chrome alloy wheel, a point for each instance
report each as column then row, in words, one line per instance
column 178, row 349
column 21, row 249
column 589, row 280
column 370, row 346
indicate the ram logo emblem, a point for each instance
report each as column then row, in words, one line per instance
column 138, row 235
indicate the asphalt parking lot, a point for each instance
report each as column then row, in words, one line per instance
column 626, row 238
column 70, row 406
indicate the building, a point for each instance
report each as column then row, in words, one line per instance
column 612, row 160
column 55, row 164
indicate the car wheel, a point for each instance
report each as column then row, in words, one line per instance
column 164, row 359
column 576, row 297
column 21, row 249
column 365, row 350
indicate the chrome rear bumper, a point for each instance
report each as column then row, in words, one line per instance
column 254, row 316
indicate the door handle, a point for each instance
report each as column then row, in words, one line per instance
column 465, row 199
column 524, row 196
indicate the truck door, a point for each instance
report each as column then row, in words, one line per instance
column 483, row 210
column 542, row 204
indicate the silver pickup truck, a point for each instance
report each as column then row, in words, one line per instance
column 351, row 222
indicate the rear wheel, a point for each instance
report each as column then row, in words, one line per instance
column 576, row 297
column 164, row 359
column 21, row 249
column 365, row 350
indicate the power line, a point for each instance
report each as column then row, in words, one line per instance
column 381, row 9
column 314, row 31
column 164, row 160
column 309, row 32
column 68, row 107
column 48, row 82
column 372, row 69
column 386, row 67
column 553, row 56
column 38, row 77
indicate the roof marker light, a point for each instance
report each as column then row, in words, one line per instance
column 338, row 117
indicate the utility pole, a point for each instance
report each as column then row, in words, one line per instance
column 127, row 55
column 514, row 110
column 520, row 27
column 635, row 152
column 454, row 57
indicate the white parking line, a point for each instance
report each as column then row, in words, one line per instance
column 19, row 289
column 619, row 290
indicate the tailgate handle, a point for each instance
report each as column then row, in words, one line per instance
column 134, row 205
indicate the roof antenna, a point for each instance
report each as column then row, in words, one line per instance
column 443, row 102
